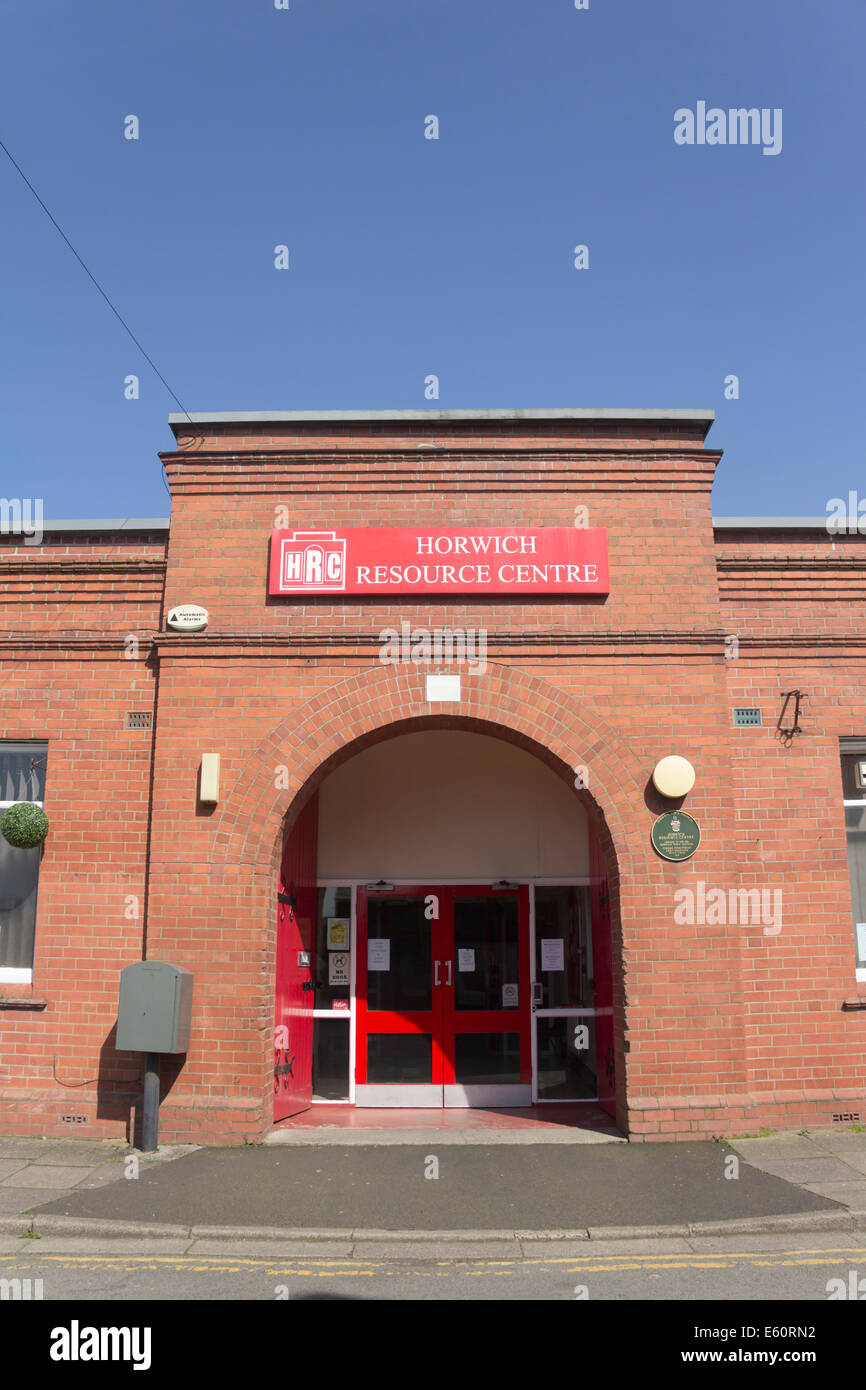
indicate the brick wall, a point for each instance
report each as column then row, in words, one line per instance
column 73, row 610
column 720, row 1028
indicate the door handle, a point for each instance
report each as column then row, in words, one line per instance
column 537, row 1000
column 436, row 979
column 448, row 964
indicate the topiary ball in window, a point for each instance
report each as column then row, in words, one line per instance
column 24, row 825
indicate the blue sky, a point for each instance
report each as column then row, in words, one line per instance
column 411, row 257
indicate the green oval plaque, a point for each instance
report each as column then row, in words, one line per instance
column 676, row 835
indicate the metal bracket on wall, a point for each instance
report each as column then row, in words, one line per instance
column 787, row 734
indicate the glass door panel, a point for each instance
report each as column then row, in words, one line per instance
column 567, row 1067
column 487, row 1037
column 399, row 1006
column 563, row 948
column 566, row 1012
column 443, row 997
column 399, row 1058
column 331, row 1058
column 332, row 1016
column 487, row 1058
column 485, row 951
column 399, row 955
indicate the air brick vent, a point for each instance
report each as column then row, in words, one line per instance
column 744, row 717
column 139, row 719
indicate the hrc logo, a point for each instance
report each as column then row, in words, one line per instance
column 312, row 562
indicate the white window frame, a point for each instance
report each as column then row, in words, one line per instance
column 15, row 974
column 335, row 1015
column 851, row 747
column 564, row 1011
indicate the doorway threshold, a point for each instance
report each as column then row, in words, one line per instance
column 536, row 1124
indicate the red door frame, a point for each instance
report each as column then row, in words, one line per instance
column 390, row 1021
column 296, row 938
column 602, row 950
column 442, row 1021
column 496, row 1020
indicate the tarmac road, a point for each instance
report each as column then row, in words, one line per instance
column 528, row 1186
column 762, row 1269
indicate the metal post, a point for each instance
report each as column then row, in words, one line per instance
column 150, row 1106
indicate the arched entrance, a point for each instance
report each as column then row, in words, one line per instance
column 443, row 930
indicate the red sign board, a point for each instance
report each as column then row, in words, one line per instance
column 473, row 560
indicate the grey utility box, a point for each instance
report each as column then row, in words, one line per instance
column 154, row 1008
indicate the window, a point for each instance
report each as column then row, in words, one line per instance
column 22, row 778
column 332, row 1018
column 854, row 793
column 566, row 1022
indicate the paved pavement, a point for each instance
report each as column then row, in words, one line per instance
column 407, row 1187
column 829, row 1163
column 34, row 1171
column 477, row 1190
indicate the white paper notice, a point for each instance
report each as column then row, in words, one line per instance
column 378, row 953
column 552, row 953
column 466, row 958
column 861, row 940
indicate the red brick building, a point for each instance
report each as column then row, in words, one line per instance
column 410, row 890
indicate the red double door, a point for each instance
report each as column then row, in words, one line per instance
column 443, row 997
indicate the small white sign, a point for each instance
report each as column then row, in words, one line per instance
column 187, row 617
column 443, row 688
column 466, row 958
column 509, row 997
column 378, row 953
column 552, row 953
column 861, row 940
column 338, row 967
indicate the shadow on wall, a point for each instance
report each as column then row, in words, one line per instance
column 120, row 1086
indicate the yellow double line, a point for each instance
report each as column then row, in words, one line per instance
column 329, row 1269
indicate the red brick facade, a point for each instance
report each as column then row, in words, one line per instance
column 719, row 1029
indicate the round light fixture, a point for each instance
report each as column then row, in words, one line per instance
column 673, row 776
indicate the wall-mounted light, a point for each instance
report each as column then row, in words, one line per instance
column 209, row 783
column 673, row 776
column 381, row 886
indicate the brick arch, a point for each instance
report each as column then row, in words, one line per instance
column 386, row 701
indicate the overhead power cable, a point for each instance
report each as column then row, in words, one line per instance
column 92, row 277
